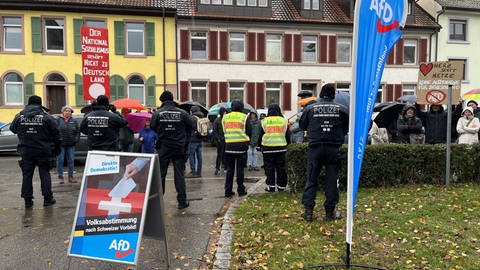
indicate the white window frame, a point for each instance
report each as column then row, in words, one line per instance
column 409, row 89
column 241, row 3
column 339, row 87
column 414, row 44
column 458, row 20
column 271, row 89
column 230, row 88
column 252, row 3
column 311, row 4
column 86, row 22
column 11, row 26
column 5, row 86
column 136, row 85
column 216, row 2
column 409, row 8
column 380, row 92
column 272, row 44
column 205, row 2
column 198, row 88
column 127, row 31
column 304, row 42
column 344, row 41
column 263, row 3
column 465, row 68
column 227, row 2
column 45, row 35
column 198, row 38
column 233, row 55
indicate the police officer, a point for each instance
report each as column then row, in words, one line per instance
column 102, row 126
column 237, row 131
column 37, row 132
column 173, row 127
column 274, row 139
column 326, row 123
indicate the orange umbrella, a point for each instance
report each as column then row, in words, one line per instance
column 128, row 103
column 304, row 101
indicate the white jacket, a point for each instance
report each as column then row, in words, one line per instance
column 379, row 135
column 468, row 130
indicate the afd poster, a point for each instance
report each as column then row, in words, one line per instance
column 111, row 208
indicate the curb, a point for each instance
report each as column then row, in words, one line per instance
column 223, row 253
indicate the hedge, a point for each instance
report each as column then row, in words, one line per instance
column 387, row 165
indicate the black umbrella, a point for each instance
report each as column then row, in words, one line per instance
column 343, row 98
column 407, row 99
column 380, row 106
column 187, row 105
column 388, row 114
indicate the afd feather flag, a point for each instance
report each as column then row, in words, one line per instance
column 376, row 29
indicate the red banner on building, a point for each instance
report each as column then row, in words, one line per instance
column 95, row 62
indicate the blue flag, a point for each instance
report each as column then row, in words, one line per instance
column 376, row 29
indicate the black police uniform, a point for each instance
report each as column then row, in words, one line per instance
column 173, row 127
column 101, row 128
column 326, row 123
column 37, row 133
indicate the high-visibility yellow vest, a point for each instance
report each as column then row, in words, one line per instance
column 275, row 128
column 234, row 125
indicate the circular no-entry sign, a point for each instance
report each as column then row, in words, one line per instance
column 435, row 97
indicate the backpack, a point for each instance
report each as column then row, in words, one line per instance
column 202, row 126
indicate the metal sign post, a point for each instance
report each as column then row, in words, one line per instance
column 449, row 136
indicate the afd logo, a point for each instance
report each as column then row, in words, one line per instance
column 384, row 12
column 122, row 248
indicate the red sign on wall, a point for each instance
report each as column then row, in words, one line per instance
column 95, row 62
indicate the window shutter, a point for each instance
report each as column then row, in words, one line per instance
column 37, row 45
column 223, row 89
column 389, row 92
column 332, row 49
column 297, row 48
column 77, row 43
column 184, row 90
column 213, row 45
column 212, row 93
column 117, row 87
column 397, row 92
column 1, row 93
column 287, row 97
column 422, row 55
column 251, row 93
column 391, row 57
column 184, row 44
column 150, row 42
column 287, row 48
column 323, row 49
column 399, row 52
column 151, row 91
column 224, row 46
column 261, row 47
column 260, row 96
column 251, row 40
column 79, row 101
column 118, row 27
column 28, row 87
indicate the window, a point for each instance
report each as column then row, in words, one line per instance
column 55, row 77
column 309, row 48
column 272, row 93
column 199, row 92
column 309, row 87
column 274, row 48
column 236, row 90
column 458, row 30
column 464, row 76
column 205, row 2
column 343, row 87
column 199, row 45
column 262, row 3
column 228, row 2
column 379, row 98
column 343, row 50
column 136, row 89
column 252, row 3
column 409, row 8
column 95, row 23
column 311, row 4
column 54, row 35
column 241, row 2
column 135, row 38
column 13, row 89
column 408, row 89
column 216, row 2
column 237, row 47
column 410, row 51
column 12, row 40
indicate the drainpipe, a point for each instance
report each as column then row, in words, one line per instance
column 436, row 38
column 164, row 51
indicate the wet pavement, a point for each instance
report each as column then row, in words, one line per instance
column 38, row 238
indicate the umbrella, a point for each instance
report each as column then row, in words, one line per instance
column 187, row 105
column 388, row 114
column 407, row 99
column 136, row 121
column 304, row 101
column 227, row 105
column 343, row 98
column 380, row 106
column 305, row 93
column 472, row 94
column 128, row 103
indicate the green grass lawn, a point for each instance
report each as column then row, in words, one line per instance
column 414, row 227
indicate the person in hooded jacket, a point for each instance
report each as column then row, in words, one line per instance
column 195, row 146
column 37, row 131
column 409, row 126
column 173, row 127
column 254, row 138
column 326, row 123
column 70, row 135
column 435, row 122
column 237, row 132
column 274, row 138
column 219, row 139
column 467, row 127
column 102, row 127
column 476, row 111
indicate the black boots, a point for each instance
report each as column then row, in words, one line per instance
column 333, row 215
column 28, row 203
column 183, row 205
column 49, row 201
column 308, row 215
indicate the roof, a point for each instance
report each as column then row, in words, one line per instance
column 123, row 3
column 460, row 4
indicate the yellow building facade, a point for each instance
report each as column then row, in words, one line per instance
column 40, row 54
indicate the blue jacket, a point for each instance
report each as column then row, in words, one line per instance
column 149, row 139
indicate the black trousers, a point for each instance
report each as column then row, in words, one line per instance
column 220, row 155
column 27, row 164
column 319, row 156
column 165, row 155
column 232, row 160
column 275, row 163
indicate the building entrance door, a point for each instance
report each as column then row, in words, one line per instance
column 55, row 98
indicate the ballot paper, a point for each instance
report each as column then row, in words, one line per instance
column 123, row 188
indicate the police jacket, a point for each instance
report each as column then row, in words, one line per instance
column 37, row 131
column 239, row 147
column 101, row 128
column 173, row 127
column 69, row 131
column 325, row 122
